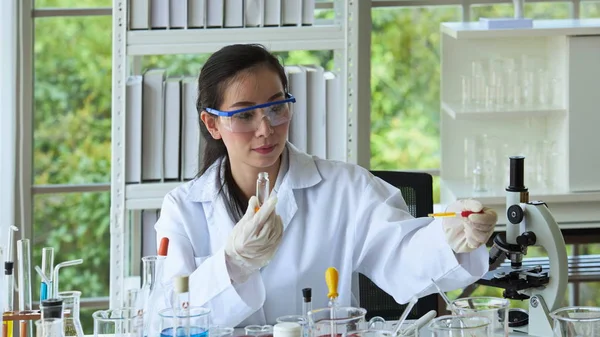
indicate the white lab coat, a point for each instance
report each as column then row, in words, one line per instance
column 334, row 215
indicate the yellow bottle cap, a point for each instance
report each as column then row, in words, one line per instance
column 331, row 277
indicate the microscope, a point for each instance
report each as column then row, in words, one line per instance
column 530, row 223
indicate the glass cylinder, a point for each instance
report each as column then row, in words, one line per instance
column 495, row 309
column 460, row 326
column 191, row 323
column 576, row 321
column 49, row 327
column 71, row 302
column 114, row 322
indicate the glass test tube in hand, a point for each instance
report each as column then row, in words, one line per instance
column 262, row 188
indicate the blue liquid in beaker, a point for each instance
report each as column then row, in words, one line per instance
column 195, row 331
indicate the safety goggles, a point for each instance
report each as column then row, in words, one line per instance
column 248, row 119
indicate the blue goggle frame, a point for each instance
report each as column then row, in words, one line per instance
column 288, row 99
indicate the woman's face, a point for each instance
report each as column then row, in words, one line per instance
column 259, row 148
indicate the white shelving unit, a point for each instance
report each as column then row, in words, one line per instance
column 568, row 116
column 351, row 46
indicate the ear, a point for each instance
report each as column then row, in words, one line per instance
column 211, row 124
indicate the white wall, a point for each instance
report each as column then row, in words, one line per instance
column 8, row 113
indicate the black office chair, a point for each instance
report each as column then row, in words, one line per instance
column 417, row 190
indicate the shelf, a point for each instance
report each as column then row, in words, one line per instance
column 147, row 195
column 193, row 41
column 462, row 190
column 457, row 112
column 475, row 30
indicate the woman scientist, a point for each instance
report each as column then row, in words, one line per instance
column 249, row 267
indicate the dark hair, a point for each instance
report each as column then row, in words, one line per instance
column 218, row 72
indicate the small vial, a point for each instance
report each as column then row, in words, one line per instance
column 262, row 187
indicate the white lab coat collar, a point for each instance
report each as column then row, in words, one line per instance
column 302, row 173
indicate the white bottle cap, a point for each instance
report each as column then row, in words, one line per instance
column 181, row 284
column 287, row 329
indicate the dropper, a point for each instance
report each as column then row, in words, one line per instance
column 331, row 278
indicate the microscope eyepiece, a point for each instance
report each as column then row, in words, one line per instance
column 517, row 174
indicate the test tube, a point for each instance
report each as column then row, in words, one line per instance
column 47, row 267
column 24, row 257
column 181, row 305
column 262, row 187
column 9, row 266
column 307, row 301
column 306, row 308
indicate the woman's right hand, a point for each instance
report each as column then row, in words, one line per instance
column 253, row 240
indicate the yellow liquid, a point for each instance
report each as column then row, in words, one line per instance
column 7, row 328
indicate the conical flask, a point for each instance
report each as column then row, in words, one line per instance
column 151, row 297
column 71, row 323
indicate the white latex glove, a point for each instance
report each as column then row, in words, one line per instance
column 253, row 240
column 465, row 234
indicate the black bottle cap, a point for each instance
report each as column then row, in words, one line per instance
column 307, row 294
column 8, row 268
column 52, row 308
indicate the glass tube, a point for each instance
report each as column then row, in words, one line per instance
column 47, row 268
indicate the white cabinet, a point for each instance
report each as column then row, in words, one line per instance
column 532, row 92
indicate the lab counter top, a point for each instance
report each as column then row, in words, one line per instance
column 424, row 332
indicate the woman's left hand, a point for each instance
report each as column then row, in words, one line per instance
column 465, row 234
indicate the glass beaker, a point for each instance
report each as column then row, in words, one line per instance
column 114, row 322
column 295, row 319
column 71, row 323
column 323, row 324
column 460, row 326
column 219, row 331
column 259, row 330
column 49, row 327
column 576, row 321
column 176, row 324
column 494, row 308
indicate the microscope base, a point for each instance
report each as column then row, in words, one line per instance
column 540, row 323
